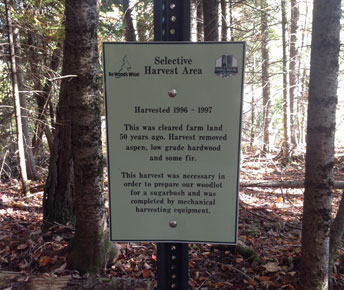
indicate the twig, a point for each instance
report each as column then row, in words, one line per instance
column 288, row 246
column 63, row 77
column 200, row 286
column 237, row 270
column 3, row 163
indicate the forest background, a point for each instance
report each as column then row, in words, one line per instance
column 278, row 49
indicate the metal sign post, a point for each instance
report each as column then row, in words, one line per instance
column 172, row 23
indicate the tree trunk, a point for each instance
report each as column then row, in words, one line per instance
column 336, row 235
column 58, row 192
column 16, row 97
column 224, row 24
column 130, row 32
column 293, row 56
column 43, row 98
column 199, row 19
column 320, row 145
column 253, row 105
column 231, row 20
column 81, row 59
column 286, row 112
column 265, row 76
column 211, row 20
column 303, row 83
column 29, row 158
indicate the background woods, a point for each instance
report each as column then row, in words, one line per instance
column 50, row 140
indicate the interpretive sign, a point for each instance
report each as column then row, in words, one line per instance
column 173, row 140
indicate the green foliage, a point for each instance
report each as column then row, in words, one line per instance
column 144, row 19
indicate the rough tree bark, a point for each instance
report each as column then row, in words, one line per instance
column 265, row 75
column 293, row 57
column 336, row 235
column 81, row 59
column 130, row 32
column 58, row 192
column 211, row 20
column 16, row 98
column 320, row 145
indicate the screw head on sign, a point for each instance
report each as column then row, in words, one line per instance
column 173, row 224
column 172, row 93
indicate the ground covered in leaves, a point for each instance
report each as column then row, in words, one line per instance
column 267, row 256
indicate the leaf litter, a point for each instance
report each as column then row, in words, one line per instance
column 269, row 226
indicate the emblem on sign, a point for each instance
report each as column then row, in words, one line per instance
column 226, row 66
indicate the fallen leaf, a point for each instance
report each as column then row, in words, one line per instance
column 146, row 273
column 263, row 278
column 272, row 267
column 250, row 282
column 22, row 247
column 43, row 261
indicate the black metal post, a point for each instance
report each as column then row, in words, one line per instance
column 172, row 20
column 172, row 266
column 172, row 23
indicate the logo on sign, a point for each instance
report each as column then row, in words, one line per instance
column 226, row 66
column 125, row 70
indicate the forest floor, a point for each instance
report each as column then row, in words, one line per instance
column 269, row 226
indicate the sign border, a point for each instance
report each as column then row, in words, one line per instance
column 239, row 143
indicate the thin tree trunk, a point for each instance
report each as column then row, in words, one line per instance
column 199, row 19
column 253, row 105
column 302, row 100
column 265, row 76
column 36, row 77
column 231, row 20
column 286, row 112
column 224, row 23
column 293, row 56
column 43, row 101
column 320, row 145
column 16, row 97
column 29, row 158
column 130, row 32
column 211, row 20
